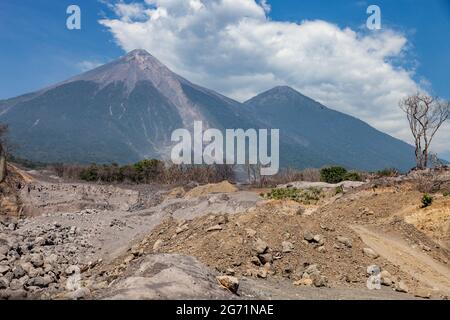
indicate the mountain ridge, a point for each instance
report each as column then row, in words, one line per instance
column 126, row 110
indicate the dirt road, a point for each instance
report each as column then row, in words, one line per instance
column 419, row 265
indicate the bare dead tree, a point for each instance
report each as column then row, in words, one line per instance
column 425, row 115
column 3, row 131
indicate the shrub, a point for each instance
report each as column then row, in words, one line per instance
column 388, row 172
column 90, row 173
column 445, row 194
column 353, row 176
column 427, row 200
column 148, row 170
column 339, row 189
column 306, row 196
column 333, row 174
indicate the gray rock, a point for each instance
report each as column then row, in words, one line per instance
column 39, row 241
column 250, row 232
column 386, row 278
column 217, row 227
column 401, row 287
column 17, row 294
column 229, row 282
column 40, row 282
column 81, row 293
column 319, row 280
column 255, row 260
column 137, row 251
column 182, row 228
column 4, row 269
column 266, row 258
column 51, row 259
column 157, row 245
column 345, row 241
column 312, row 269
column 368, row 252
column 73, row 269
column 308, row 236
column 320, row 239
column 37, row 260
column 4, row 249
column 222, row 219
column 18, row 272
column 16, row 284
column 230, row 272
column 287, row 247
column 260, row 246
column 35, row 272
column 4, row 283
column 168, row 276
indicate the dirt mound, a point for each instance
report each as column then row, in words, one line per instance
column 222, row 187
column 279, row 239
column 289, row 244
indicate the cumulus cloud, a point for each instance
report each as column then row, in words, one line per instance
column 232, row 46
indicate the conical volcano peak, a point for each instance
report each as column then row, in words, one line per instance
column 137, row 65
column 142, row 59
column 138, row 52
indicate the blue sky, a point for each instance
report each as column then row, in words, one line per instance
column 413, row 48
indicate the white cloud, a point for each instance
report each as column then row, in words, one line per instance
column 233, row 47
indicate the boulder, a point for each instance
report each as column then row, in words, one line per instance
column 368, row 252
column 308, row 236
column 401, row 286
column 345, row 241
column 229, row 282
column 287, row 247
column 260, row 246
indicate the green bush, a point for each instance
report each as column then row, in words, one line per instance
column 90, row 173
column 306, row 196
column 338, row 174
column 333, row 174
column 147, row 170
column 445, row 194
column 427, row 200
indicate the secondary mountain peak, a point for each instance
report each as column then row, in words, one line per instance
column 280, row 95
column 283, row 89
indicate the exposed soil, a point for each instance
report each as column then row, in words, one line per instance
column 158, row 242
